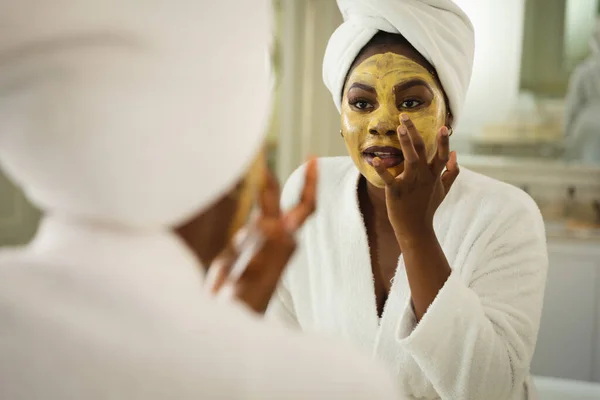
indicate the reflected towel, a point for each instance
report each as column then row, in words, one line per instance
column 438, row 29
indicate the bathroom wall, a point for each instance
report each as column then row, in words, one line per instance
column 580, row 23
column 543, row 69
column 309, row 123
column 569, row 340
column 495, row 84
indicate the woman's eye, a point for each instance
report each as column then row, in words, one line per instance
column 362, row 105
column 411, row 103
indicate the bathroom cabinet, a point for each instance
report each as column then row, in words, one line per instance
column 569, row 338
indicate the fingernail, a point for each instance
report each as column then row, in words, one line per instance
column 445, row 132
column 376, row 162
column 404, row 117
column 402, row 130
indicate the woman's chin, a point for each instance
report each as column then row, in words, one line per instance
column 373, row 177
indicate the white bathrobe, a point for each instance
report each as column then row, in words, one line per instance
column 91, row 312
column 116, row 120
column 477, row 338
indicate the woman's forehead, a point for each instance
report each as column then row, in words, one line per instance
column 401, row 49
column 389, row 66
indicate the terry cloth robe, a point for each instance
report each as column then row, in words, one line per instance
column 477, row 338
column 112, row 115
column 91, row 312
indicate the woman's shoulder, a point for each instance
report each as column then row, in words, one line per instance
column 328, row 168
column 485, row 194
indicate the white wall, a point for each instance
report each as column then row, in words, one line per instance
column 569, row 342
column 495, row 85
column 579, row 26
column 309, row 123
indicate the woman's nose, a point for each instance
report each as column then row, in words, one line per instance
column 384, row 125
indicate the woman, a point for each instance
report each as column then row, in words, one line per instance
column 446, row 286
column 112, row 119
column 582, row 130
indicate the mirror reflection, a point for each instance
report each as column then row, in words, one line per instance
column 449, row 226
column 530, row 119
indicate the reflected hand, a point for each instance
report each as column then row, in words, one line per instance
column 250, row 269
column 413, row 196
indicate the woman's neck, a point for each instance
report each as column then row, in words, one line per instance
column 374, row 198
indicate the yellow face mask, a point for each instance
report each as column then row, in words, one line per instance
column 377, row 91
column 247, row 193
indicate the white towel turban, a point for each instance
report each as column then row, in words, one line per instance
column 139, row 112
column 438, row 29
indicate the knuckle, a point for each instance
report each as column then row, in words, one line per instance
column 419, row 144
column 396, row 190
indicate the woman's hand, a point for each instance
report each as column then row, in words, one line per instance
column 413, row 197
column 250, row 269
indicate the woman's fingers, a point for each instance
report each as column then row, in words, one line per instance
column 443, row 151
column 416, row 138
column 250, row 274
column 411, row 156
column 258, row 281
column 296, row 217
column 270, row 196
column 451, row 173
column 277, row 247
column 383, row 173
column 218, row 273
column 251, row 269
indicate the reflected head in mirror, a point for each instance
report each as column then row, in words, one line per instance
column 389, row 78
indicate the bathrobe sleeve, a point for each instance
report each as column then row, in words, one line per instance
column 281, row 308
column 477, row 338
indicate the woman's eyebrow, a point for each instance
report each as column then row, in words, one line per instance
column 362, row 86
column 411, row 83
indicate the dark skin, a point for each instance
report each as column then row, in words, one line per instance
column 208, row 236
column 207, row 233
column 399, row 218
column 384, row 248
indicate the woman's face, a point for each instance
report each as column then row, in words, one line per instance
column 377, row 91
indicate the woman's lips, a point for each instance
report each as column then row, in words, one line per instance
column 389, row 156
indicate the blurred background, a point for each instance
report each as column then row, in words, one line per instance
column 532, row 119
column 535, row 78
